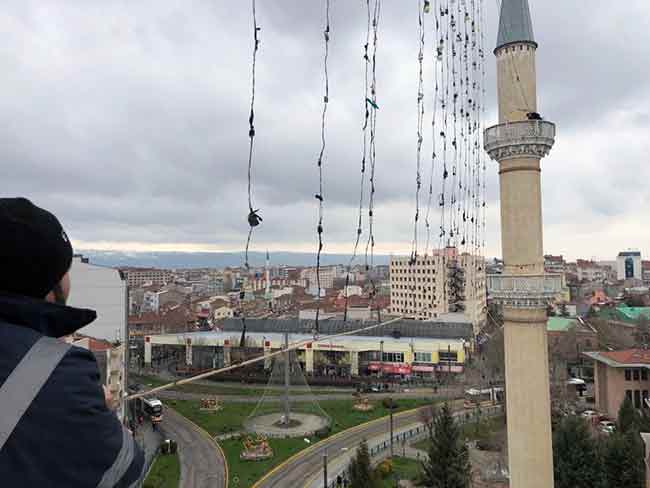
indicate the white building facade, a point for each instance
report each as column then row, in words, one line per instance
column 421, row 290
column 629, row 266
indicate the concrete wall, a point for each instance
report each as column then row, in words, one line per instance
column 102, row 290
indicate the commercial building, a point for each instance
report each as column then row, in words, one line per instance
column 423, row 290
column 406, row 348
column 629, row 266
column 619, row 375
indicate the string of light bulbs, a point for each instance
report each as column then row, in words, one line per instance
column 254, row 219
column 320, row 196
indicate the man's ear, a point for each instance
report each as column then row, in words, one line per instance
column 57, row 295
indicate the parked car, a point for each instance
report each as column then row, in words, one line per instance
column 589, row 414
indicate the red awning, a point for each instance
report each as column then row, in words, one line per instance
column 423, row 369
column 390, row 368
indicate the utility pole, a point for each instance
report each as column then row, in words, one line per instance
column 325, row 470
column 286, row 378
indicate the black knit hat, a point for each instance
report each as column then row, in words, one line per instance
column 35, row 252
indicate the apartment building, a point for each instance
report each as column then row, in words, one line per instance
column 136, row 277
column 425, row 289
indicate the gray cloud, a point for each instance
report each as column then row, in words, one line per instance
column 129, row 120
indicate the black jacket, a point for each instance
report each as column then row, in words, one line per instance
column 66, row 437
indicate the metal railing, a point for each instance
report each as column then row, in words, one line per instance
column 547, row 284
column 421, row 431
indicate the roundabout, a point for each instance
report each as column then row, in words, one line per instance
column 274, row 425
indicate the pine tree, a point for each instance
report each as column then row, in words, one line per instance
column 623, row 463
column 576, row 457
column 447, row 465
column 360, row 471
column 628, row 418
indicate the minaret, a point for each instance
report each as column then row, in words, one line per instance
column 518, row 143
column 268, row 274
column 268, row 295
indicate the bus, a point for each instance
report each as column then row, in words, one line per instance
column 152, row 407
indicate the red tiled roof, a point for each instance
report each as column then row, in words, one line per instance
column 629, row 356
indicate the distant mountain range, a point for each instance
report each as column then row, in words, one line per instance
column 174, row 260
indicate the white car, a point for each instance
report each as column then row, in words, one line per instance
column 607, row 427
column 589, row 414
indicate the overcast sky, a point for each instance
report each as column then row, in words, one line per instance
column 129, row 121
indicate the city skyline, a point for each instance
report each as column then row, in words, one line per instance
column 151, row 155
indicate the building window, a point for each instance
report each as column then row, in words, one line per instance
column 644, row 374
column 637, row 399
column 636, row 375
column 644, row 395
column 393, row 357
column 448, row 356
column 423, row 357
column 628, row 395
column 628, row 375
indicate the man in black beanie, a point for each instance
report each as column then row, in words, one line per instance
column 55, row 427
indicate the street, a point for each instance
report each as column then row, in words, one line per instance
column 202, row 464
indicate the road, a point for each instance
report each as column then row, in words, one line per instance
column 202, row 463
column 418, row 393
column 300, row 470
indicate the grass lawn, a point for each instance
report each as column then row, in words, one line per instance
column 217, row 389
column 230, row 419
column 165, row 473
column 403, row 469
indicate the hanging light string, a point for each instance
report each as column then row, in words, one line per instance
column 254, row 218
column 450, row 276
column 468, row 118
column 443, row 52
column 420, row 131
column 364, row 129
column 370, row 243
column 320, row 195
column 483, row 163
column 437, row 67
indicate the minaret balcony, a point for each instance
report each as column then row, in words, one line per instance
column 521, row 139
column 524, row 291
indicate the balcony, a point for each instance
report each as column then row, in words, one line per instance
column 525, row 138
column 524, row 291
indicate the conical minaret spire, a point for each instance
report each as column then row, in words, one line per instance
column 515, row 23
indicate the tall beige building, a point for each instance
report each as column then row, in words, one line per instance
column 421, row 291
column 518, row 143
